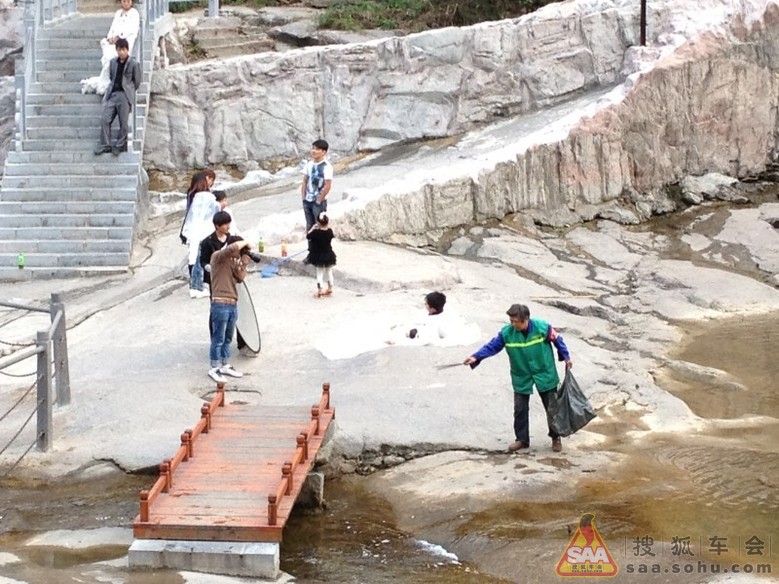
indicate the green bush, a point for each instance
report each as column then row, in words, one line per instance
column 416, row 15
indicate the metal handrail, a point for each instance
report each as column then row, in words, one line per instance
column 50, row 349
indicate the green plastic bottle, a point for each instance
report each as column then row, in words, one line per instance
column 260, row 245
column 21, row 261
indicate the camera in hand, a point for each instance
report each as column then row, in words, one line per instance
column 254, row 256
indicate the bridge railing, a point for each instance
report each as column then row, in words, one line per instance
column 301, row 455
column 186, row 451
column 50, row 351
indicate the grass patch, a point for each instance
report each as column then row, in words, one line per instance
column 417, row 15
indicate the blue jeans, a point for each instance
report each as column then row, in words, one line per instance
column 223, row 318
column 196, row 276
column 312, row 211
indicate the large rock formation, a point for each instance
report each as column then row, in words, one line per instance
column 366, row 96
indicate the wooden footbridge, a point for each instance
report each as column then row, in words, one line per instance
column 235, row 478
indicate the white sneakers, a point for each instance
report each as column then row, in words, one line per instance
column 214, row 374
column 198, row 293
column 230, row 371
column 218, row 373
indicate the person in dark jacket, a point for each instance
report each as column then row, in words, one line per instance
column 321, row 254
column 528, row 343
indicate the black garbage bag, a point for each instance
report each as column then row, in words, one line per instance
column 569, row 410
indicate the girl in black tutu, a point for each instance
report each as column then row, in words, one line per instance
column 321, row 254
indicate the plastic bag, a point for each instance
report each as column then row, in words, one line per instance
column 569, row 410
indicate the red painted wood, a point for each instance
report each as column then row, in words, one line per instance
column 221, row 491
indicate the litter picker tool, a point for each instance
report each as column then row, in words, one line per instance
column 449, row 366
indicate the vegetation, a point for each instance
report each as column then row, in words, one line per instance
column 417, row 15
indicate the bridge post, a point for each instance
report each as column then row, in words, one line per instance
column 272, row 510
column 165, row 472
column 286, row 474
column 303, row 444
column 186, row 445
column 205, row 412
column 315, row 417
column 145, row 506
column 326, row 394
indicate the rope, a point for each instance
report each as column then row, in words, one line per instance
column 26, row 393
column 18, row 460
column 17, row 374
column 10, row 344
column 27, row 421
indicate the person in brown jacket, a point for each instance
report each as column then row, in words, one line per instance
column 228, row 268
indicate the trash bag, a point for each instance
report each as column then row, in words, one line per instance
column 569, row 410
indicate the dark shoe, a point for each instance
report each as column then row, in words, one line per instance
column 100, row 149
column 557, row 444
column 116, row 150
column 514, row 446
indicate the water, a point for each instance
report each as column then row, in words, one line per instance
column 719, row 482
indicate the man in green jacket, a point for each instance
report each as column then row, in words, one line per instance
column 528, row 343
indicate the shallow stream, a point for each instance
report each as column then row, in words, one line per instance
column 720, row 482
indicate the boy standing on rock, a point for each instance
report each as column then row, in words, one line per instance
column 528, row 342
column 317, row 180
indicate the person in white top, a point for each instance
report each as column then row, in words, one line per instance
column 125, row 25
column 198, row 225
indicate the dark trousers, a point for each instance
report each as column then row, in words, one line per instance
column 522, row 415
column 311, row 210
column 116, row 106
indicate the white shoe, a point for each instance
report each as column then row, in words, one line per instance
column 247, row 352
column 230, row 370
column 198, row 293
column 214, row 374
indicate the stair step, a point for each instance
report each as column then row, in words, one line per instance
column 91, row 132
column 10, row 195
column 85, row 44
column 62, row 157
column 67, row 221
column 237, row 49
column 64, row 145
column 98, row 167
column 29, row 246
column 69, row 87
column 67, row 260
column 80, row 64
column 93, row 109
column 66, row 76
column 68, row 181
column 62, row 121
column 59, row 55
column 66, row 208
column 75, row 98
column 65, row 233
column 12, row 274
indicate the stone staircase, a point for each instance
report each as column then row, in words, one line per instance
column 66, row 210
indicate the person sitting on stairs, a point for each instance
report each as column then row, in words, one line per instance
column 119, row 98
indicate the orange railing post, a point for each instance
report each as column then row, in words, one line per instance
column 220, row 389
column 190, row 443
column 326, row 394
column 303, row 444
column 272, row 509
column 165, row 472
column 286, row 474
column 185, row 444
column 315, row 417
column 145, row 506
column 205, row 413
